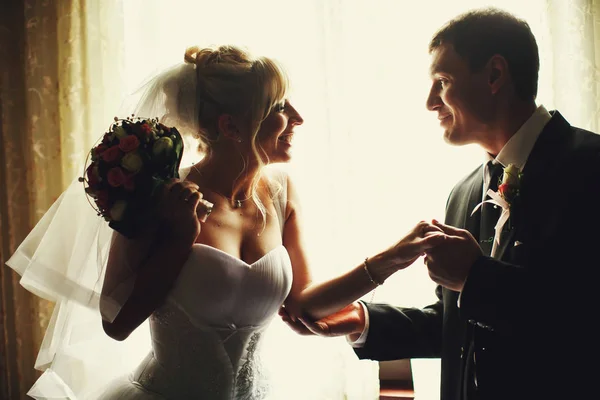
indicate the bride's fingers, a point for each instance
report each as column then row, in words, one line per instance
column 192, row 199
column 187, row 190
column 203, row 209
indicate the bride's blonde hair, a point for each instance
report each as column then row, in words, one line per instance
column 230, row 81
column 214, row 81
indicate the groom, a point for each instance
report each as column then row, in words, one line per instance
column 517, row 304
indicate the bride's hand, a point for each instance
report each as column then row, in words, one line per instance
column 181, row 209
column 406, row 251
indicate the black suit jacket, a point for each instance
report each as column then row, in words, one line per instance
column 528, row 314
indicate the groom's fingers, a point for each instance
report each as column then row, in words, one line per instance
column 318, row 328
column 344, row 322
column 450, row 230
column 296, row 326
column 430, row 241
column 429, row 228
column 299, row 328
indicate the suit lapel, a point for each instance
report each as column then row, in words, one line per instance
column 505, row 240
column 472, row 222
column 552, row 141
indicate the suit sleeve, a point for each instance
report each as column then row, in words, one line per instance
column 399, row 333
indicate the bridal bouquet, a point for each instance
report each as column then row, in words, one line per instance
column 134, row 158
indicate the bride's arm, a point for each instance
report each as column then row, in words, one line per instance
column 319, row 300
column 156, row 265
column 141, row 271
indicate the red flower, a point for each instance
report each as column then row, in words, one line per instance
column 145, row 129
column 92, row 175
column 112, row 154
column 101, row 148
column 102, row 199
column 503, row 189
column 129, row 143
column 507, row 191
column 129, row 183
column 115, row 177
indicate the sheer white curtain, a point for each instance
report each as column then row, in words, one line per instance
column 370, row 160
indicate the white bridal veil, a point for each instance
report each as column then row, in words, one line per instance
column 63, row 260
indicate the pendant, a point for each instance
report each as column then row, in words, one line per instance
column 238, row 204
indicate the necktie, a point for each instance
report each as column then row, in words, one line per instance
column 489, row 212
column 489, row 217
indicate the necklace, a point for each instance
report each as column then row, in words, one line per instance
column 236, row 203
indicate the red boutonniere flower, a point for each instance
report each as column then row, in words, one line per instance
column 510, row 184
column 508, row 191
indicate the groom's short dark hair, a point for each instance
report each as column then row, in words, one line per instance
column 479, row 34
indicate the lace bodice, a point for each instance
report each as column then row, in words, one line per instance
column 206, row 337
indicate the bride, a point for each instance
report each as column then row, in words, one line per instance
column 210, row 281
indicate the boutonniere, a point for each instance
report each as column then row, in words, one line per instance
column 510, row 185
column 508, row 192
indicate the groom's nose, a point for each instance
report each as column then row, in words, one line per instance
column 434, row 101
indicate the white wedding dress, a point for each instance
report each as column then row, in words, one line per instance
column 206, row 338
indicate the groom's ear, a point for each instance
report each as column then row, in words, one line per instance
column 498, row 73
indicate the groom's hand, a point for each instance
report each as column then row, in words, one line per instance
column 449, row 264
column 296, row 325
column 349, row 320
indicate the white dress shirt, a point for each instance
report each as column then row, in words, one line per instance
column 516, row 151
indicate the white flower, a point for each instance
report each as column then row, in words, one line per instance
column 132, row 162
column 162, row 146
column 119, row 131
column 511, row 175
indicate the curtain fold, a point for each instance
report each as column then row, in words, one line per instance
column 59, row 89
column 574, row 65
column 29, row 114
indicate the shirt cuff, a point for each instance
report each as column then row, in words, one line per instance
column 362, row 339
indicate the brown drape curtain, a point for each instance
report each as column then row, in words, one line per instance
column 60, row 64
column 28, row 178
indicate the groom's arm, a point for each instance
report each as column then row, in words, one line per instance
column 400, row 333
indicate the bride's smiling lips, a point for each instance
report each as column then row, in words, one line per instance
column 286, row 138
